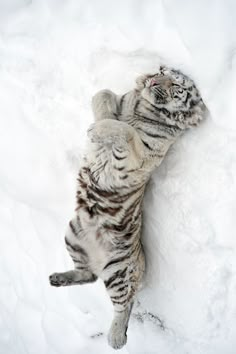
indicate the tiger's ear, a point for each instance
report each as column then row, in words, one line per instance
column 140, row 81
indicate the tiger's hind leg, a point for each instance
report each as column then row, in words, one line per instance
column 122, row 140
column 104, row 105
column 122, row 284
column 82, row 273
column 117, row 336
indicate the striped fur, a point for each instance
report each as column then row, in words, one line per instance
column 131, row 136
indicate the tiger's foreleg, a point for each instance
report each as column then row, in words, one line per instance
column 72, row 277
column 105, row 105
column 82, row 273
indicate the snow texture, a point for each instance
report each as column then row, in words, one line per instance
column 54, row 55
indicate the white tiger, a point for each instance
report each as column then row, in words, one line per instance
column 130, row 136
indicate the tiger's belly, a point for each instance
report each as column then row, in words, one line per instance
column 95, row 242
column 97, row 250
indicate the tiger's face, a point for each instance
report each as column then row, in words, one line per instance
column 172, row 90
column 169, row 87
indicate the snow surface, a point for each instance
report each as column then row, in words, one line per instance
column 54, row 55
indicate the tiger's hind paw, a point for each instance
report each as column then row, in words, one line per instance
column 110, row 132
column 117, row 339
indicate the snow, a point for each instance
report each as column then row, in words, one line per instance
column 54, row 55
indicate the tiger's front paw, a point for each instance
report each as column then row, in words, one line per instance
column 59, row 279
column 116, row 338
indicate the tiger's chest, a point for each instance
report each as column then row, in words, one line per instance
column 145, row 118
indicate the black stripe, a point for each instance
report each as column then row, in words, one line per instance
column 136, row 105
column 100, row 167
column 187, row 98
column 117, row 297
column 128, row 235
column 118, row 149
column 137, row 216
column 117, row 228
column 76, row 248
column 121, row 103
column 122, row 288
column 73, row 229
column 119, row 168
column 116, row 284
column 147, row 145
column 118, row 274
column 108, row 210
column 146, row 119
column 154, row 111
column 155, row 107
column 118, row 157
column 158, row 91
column 152, row 135
column 94, row 196
column 80, row 268
column 124, row 197
column 125, row 224
column 124, row 247
column 130, row 210
column 115, row 261
column 165, row 112
column 81, row 202
column 158, row 123
column 137, row 249
column 124, row 177
column 120, row 302
column 101, row 192
column 77, row 260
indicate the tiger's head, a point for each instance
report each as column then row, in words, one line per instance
column 171, row 90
